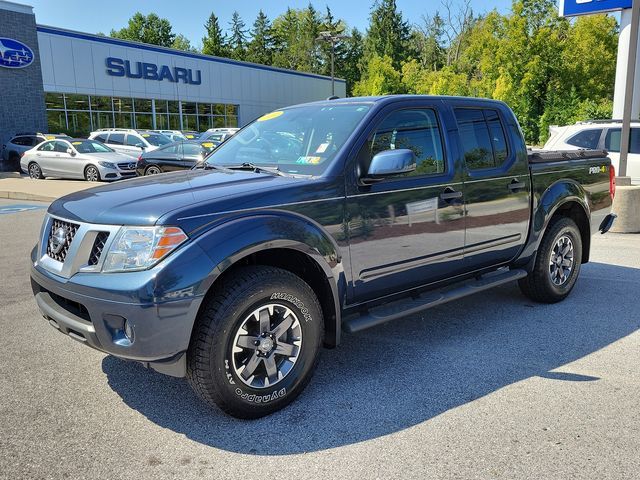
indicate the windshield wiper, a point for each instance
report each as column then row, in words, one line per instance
column 258, row 169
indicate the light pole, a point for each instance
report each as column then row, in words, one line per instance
column 333, row 38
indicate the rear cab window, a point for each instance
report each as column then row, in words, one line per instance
column 586, row 138
column 484, row 144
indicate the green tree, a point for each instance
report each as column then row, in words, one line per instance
column 214, row 42
column 348, row 66
column 260, row 48
column 295, row 34
column 147, row 29
column 388, row 33
column 238, row 38
column 379, row 78
column 182, row 43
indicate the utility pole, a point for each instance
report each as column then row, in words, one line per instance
column 625, row 134
column 327, row 36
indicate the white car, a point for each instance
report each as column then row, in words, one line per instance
column 599, row 134
column 130, row 142
column 77, row 158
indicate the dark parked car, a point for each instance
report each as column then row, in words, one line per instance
column 175, row 156
column 235, row 274
column 15, row 148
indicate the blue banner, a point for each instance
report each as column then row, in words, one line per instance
column 570, row 8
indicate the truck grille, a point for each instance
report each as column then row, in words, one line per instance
column 98, row 247
column 60, row 238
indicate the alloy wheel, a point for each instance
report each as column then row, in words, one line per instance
column 561, row 261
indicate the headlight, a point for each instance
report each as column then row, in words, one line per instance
column 138, row 248
column 106, row 164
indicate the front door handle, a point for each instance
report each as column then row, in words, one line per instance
column 515, row 185
column 450, row 194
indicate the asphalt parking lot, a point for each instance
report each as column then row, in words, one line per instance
column 492, row 386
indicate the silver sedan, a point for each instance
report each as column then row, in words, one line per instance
column 77, row 158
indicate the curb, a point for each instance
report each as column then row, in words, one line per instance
column 26, row 196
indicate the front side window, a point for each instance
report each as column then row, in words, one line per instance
column 484, row 144
column 90, row 146
column 133, row 141
column 612, row 140
column 191, row 149
column 586, row 139
column 60, row 146
column 415, row 129
column 299, row 140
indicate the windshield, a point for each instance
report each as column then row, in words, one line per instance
column 90, row 146
column 300, row 140
column 156, row 139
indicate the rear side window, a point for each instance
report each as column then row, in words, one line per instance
column 612, row 140
column 24, row 141
column 116, row 138
column 482, row 135
column 415, row 129
column 586, row 138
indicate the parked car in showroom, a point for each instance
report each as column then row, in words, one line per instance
column 77, row 158
column 130, row 142
column 20, row 143
column 599, row 135
column 175, row 156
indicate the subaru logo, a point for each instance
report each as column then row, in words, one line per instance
column 14, row 54
column 58, row 240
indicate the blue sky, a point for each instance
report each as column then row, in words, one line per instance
column 188, row 17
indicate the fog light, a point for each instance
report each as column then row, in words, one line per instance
column 128, row 331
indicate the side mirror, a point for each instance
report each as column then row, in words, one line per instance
column 71, row 152
column 140, row 145
column 389, row 163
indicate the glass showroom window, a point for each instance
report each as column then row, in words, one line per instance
column 189, row 116
column 56, row 121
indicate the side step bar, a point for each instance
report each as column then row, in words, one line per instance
column 403, row 308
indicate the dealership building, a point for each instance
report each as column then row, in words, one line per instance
column 56, row 80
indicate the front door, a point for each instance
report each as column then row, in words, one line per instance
column 496, row 186
column 408, row 230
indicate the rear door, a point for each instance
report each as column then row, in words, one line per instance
column 408, row 230
column 497, row 185
column 116, row 141
column 612, row 145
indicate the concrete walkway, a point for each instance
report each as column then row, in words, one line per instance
column 19, row 187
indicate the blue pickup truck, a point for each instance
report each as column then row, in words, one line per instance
column 315, row 219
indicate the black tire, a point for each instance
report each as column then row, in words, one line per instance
column 35, row 171
column 550, row 281
column 153, row 170
column 92, row 174
column 215, row 362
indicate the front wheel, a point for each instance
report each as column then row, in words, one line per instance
column 91, row 174
column 557, row 264
column 256, row 342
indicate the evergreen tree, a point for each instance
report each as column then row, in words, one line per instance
column 260, row 48
column 215, row 42
column 388, row 34
column 238, row 39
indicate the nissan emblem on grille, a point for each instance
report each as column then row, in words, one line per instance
column 58, row 239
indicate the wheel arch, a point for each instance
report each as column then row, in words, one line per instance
column 306, row 251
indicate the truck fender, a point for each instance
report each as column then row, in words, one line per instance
column 232, row 241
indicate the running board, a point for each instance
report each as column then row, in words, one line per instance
column 403, row 308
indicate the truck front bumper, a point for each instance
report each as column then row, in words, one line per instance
column 154, row 333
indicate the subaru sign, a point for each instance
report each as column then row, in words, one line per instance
column 117, row 67
column 571, row 8
column 14, row 54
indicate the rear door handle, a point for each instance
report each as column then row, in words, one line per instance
column 450, row 194
column 515, row 185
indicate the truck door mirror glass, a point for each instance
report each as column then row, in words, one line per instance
column 391, row 162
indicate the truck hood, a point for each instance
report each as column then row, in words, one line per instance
column 144, row 200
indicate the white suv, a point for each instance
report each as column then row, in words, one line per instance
column 130, row 142
column 599, row 134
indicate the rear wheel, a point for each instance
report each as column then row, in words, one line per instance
column 35, row 171
column 256, row 342
column 153, row 170
column 91, row 174
column 557, row 264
